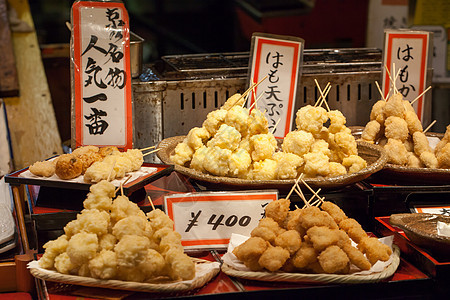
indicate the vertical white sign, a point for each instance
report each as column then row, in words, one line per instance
column 408, row 51
column 278, row 59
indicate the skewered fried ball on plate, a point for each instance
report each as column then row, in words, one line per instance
column 68, row 166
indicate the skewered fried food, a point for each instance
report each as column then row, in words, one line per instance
column 198, row 158
column 334, row 211
column 396, row 152
column 443, row 156
column 278, row 210
column 429, row 159
column 414, row 161
column 264, row 170
column 374, row 249
column 353, row 229
column 394, row 106
column 88, row 155
column 227, row 137
column 313, row 216
column 421, row 143
column 183, row 154
column 262, row 146
column 354, row 163
column 333, row 260
column 316, row 164
column 371, row 131
column 311, row 119
column 396, row 128
column 237, row 117
column 108, row 150
column 216, row 160
column 337, row 121
column 413, row 122
column 322, row 237
column 257, row 123
column 298, row 142
column 235, row 100
column 289, row 240
column 239, row 163
column 288, row 165
column 214, row 120
column 104, row 265
column 197, row 137
column 273, row 258
column 305, row 255
column 250, row 251
column 377, row 111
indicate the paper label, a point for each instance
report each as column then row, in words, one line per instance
column 408, row 50
column 280, row 60
column 208, row 219
column 102, row 76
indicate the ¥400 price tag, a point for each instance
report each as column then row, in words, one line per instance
column 207, row 220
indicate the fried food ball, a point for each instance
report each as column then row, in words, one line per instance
column 238, row 117
column 396, row 152
column 374, row 249
column 250, row 251
column 265, row 233
column 305, row 255
column 257, row 123
column 129, row 226
column 214, row 120
column 289, row 240
column 322, row 237
column 131, row 250
column 409, row 144
column 312, row 216
column 413, row 122
column 394, row 106
column 183, row 154
column 122, row 208
column 108, row 150
column 421, row 143
column 107, row 241
column 68, row 166
column 236, row 99
column 396, row 128
column 346, row 144
column 198, row 158
column 197, row 137
column 99, row 171
column 136, row 157
column 429, row 159
column 158, row 219
column 443, row 141
column 52, row 250
column 443, row 157
column 216, row 161
column 408, row 107
column 371, row 131
column 377, row 112
column 298, row 142
column 104, row 265
column 153, row 265
column 414, row 161
column 239, row 163
column 264, row 170
column 288, row 165
column 354, row 163
column 321, row 146
column 82, row 247
column 293, row 221
column 336, row 169
column 130, row 274
column 337, row 121
column 278, row 210
column 334, row 211
column 181, row 266
column 169, row 241
column 245, row 143
column 44, row 168
column 100, row 196
column 227, row 137
column 272, row 224
column 356, row 256
column 262, row 146
column 274, row 258
column 353, row 229
column 64, row 265
column 90, row 221
column 311, row 119
column 333, row 260
column 88, row 155
column 120, row 163
column 316, row 164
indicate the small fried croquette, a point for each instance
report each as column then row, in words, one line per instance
column 322, row 237
column 289, row 240
column 305, row 255
column 353, row 229
column 68, row 166
column 44, row 168
column 313, row 216
column 274, row 258
column 250, row 251
column 278, row 210
column 334, row 211
column 374, row 249
column 333, row 260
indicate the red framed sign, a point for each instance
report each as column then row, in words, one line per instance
column 102, row 108
column 280, row 59
column 408, row 50
column 207, row 219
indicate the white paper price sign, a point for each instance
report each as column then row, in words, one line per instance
column 440, row 210
column 408, row 50
column 207, row 220
column 102, row 110
column 279, row 58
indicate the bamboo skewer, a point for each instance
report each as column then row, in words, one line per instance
column 312, row 191
column 121, row 184
column 110, row 171
column 293, row 187
column 257, row 99
column 248, row 90
column 275, row 127
column 320, row 100
column 156, row 150
column 151, row 202
column 324, row 94
column 429, row 126
column 148, row 148
column 379, row 90
column 421, row 94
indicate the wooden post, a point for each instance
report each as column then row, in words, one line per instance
column 31, row 117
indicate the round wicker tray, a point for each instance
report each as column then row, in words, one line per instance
column 392, row 173
column 317, row 278
column 205, row 271
column 374, row 155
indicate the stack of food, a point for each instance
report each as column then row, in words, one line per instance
column 114, row 239
column 236, row 142
column 395, row 126
column 309, row 240
column 96, row 164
